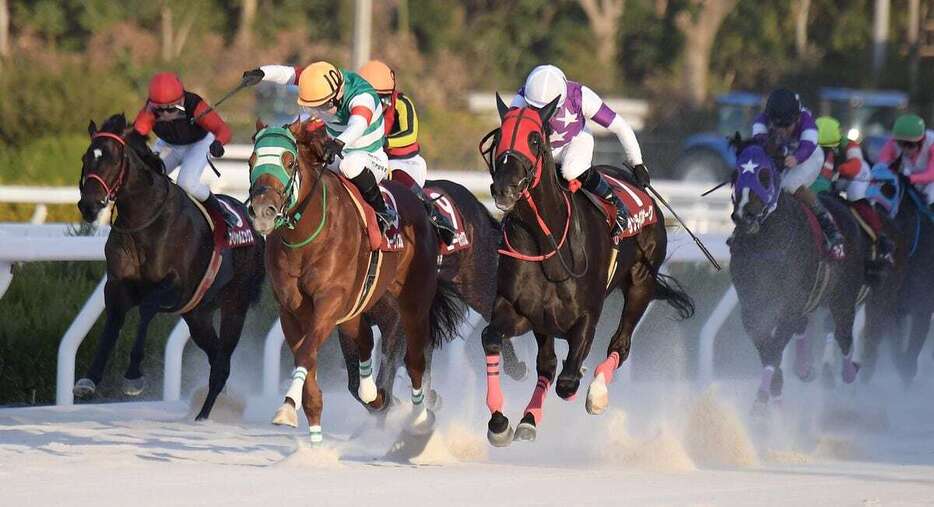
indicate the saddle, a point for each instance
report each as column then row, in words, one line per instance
column 640, row 206
column 220, row 267
column 378, row 240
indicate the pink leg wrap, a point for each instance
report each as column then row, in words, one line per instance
column 494, row 395
column 608, row 367
column 538, row 399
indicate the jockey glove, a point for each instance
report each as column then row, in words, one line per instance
column 217, row 149
column 253, row 76
column 332, row 148
column 641, row 174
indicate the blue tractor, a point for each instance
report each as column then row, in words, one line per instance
column 707, row 156
column 865, row 116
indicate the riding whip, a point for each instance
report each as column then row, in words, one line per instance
column 714, row 189
column 245, row 82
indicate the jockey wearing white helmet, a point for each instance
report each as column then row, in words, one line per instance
column 571, row 141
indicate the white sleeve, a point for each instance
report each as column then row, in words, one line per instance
column 279, row 74
column 357, row 124
column 518, row 101
column 591, row 106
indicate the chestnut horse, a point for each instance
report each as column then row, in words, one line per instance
column 319, row 260
column 555, row 285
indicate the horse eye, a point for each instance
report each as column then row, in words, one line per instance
column 535, row 140
column 765, row 179
column 888, row 190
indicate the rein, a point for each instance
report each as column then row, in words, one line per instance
column 121, row 180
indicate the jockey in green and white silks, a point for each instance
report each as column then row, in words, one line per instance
column 353, row 116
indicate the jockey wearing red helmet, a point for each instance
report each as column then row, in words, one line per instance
column 183, row 141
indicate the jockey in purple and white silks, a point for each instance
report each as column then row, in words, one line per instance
column 571, row 140
column 787, row 124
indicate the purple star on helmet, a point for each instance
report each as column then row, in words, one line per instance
column 749, row 166
column 568, row 118
column 556, row 137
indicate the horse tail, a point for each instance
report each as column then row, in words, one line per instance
column 669, row 290
column 446, row 314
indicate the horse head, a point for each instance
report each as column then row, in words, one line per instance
column 114, row 151
column 521, row 152
column 885, row 189
column 756, row 189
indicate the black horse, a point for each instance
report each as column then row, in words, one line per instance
column 157, row 253
column 780, row 271
column 558, row 265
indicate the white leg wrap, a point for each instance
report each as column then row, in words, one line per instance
column 315, row 433
column 298, row 384
column 367, row 390
column 418, row 396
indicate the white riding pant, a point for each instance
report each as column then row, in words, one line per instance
column 803, row 174
column 856, row 188
column 415, row 166
column 190, row 159
column 576, row 156
column 354, row 162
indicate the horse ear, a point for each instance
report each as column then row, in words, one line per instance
column 295, row 127
column 546, row 112
column 260, row 124
column 92, row 128
column 501, row 107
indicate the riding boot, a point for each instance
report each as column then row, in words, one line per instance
column 886, row 250
column 442, row 224
column 230, row 219
column 827, row 224
column 386, row 216
column 593, row 182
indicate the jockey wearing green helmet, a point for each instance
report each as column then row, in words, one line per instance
column 913, row 145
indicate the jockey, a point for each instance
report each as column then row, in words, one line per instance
column 845, row 170
column 790, row 126
column 571, row 141
column 401, row 127
column 353, row 115
column 913, row 145
column 184, row 141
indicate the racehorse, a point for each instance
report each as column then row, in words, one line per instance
column 914, row 304
column 471, row 269
column 327, row 271
column 557, row 287
column 781, row 273
column 161, row 254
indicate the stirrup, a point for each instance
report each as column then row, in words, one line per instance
column 836, row 249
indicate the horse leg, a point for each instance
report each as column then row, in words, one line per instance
column 133, row 378
column 305, row 350
column 392, row 346
column 418, row 344
column 287, row 414
column 499, row 431
column 580, row 338
column 351, row 362
column 770, row 346
column 546, row 365
column 233, row 314
column 118, row 300
column 201, row 325
column 640, row 288
column 908, row 365
column 359, row 332
column 844, row 313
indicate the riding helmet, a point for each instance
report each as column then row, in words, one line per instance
column 165, row 88
column 782, row 107
column 908, row 127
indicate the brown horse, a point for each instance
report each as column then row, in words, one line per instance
column 320, row 261
column 158, row 250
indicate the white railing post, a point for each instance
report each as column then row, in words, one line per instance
column 272, row 353
column 174, row 350
column 68, row 348
column 708, row 335
column 6, row 276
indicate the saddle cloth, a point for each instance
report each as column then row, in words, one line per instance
column 378, row 241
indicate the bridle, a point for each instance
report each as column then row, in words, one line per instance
column 110, row 190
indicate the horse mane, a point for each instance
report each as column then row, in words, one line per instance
column 117, row 124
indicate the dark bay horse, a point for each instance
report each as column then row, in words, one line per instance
column 320, row 262
column 780, row 272
column 555, row 284
column 157, row 252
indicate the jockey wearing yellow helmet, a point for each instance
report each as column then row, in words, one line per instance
column 406, row 165
column 353, row 115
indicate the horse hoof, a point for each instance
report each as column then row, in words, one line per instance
column 850, row 370
column 807, row 375
column 133, row 387
column 435, row 402
column 378, row 405
column 422, row 422
column 201, row 417
column 499, row 431
column 286, row 416
column 567, row 388
column 367, row 390
column 518, row 371
column 827, row 377
column 525, row 431
column 597, row 396
column 84, row 388
column 760, row 409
